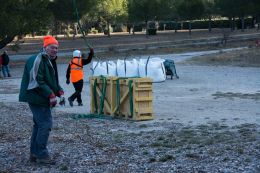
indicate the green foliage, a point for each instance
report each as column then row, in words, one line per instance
column 151, row 31
column 144, row 10
column 166, row 158
column 64, row 10
column 94, row 31
column 190, row 9
column 112, row 10
column 170, row 25
column 209, row 7
column 64, row 167
column 20, row 17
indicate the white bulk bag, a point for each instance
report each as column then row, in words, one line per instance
column 156, row 70
column 111, row 68
column 131, row 68
column 153, row 68
column 142, row 67
column 120, row 67
column 99, row 68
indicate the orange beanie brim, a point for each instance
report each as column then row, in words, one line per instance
column 47, row 40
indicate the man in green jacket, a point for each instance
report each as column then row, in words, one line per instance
column 39, row 88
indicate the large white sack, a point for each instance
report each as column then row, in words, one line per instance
column 141, row 67
column 120, row 67
column 154, row 69
column 132, row 68
column 99, row 68
column 111, row 68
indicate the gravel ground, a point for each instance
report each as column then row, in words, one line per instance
column 113, row 145
column 206, row 121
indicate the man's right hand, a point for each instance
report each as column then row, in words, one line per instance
column 53, row 100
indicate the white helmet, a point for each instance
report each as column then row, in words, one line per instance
column 76, row 53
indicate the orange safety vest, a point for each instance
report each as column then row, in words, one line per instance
column 76, row 70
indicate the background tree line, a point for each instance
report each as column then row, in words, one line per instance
column 36, row 17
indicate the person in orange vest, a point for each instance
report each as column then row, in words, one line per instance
column 75, row 74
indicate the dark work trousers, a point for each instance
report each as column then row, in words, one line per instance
column 42, row 120
column 78, row 89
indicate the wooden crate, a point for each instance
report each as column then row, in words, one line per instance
column 142, row 99
column 109, row 99
column 135, row 95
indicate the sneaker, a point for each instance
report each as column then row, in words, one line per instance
column 70, row 102
column 32, row 158
column 46, row 161
column 80, row 104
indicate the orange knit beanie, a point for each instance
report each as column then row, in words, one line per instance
column 47, row 40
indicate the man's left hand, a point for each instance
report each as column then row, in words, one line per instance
column 62, row 101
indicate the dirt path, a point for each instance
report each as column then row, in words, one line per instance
column 209, row 93
column 140, row 43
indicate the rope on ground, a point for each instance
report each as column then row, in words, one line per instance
column 90, row 116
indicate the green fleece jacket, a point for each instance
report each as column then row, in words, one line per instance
column 47, row 82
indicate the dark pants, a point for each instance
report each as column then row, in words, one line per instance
column 42, row 119
column 78, row 89
column 5, row 69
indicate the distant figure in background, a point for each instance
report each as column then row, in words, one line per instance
column 75, row 74
column 1, row 61
column 5, row 66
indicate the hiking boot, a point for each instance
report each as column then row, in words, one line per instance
column 32, row 158
column 46, row 161
column 80, row 104
column 70, row 102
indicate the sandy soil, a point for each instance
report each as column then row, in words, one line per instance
column 206, row 89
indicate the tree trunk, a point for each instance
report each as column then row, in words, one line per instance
column 190, row 28
column 68, row 31
column 5, row 41
column 108, row 28
column 243, row 24
column 75, row 31
column 233, row 24
column 176, row 26
column 146, row 30
column 210, row 24
column 257, row 21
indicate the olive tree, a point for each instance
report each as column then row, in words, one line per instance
column 21, row 17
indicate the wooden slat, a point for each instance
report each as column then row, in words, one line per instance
column 144, row 111
column 143, row 89
column 105, row 100
column 142, row 99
